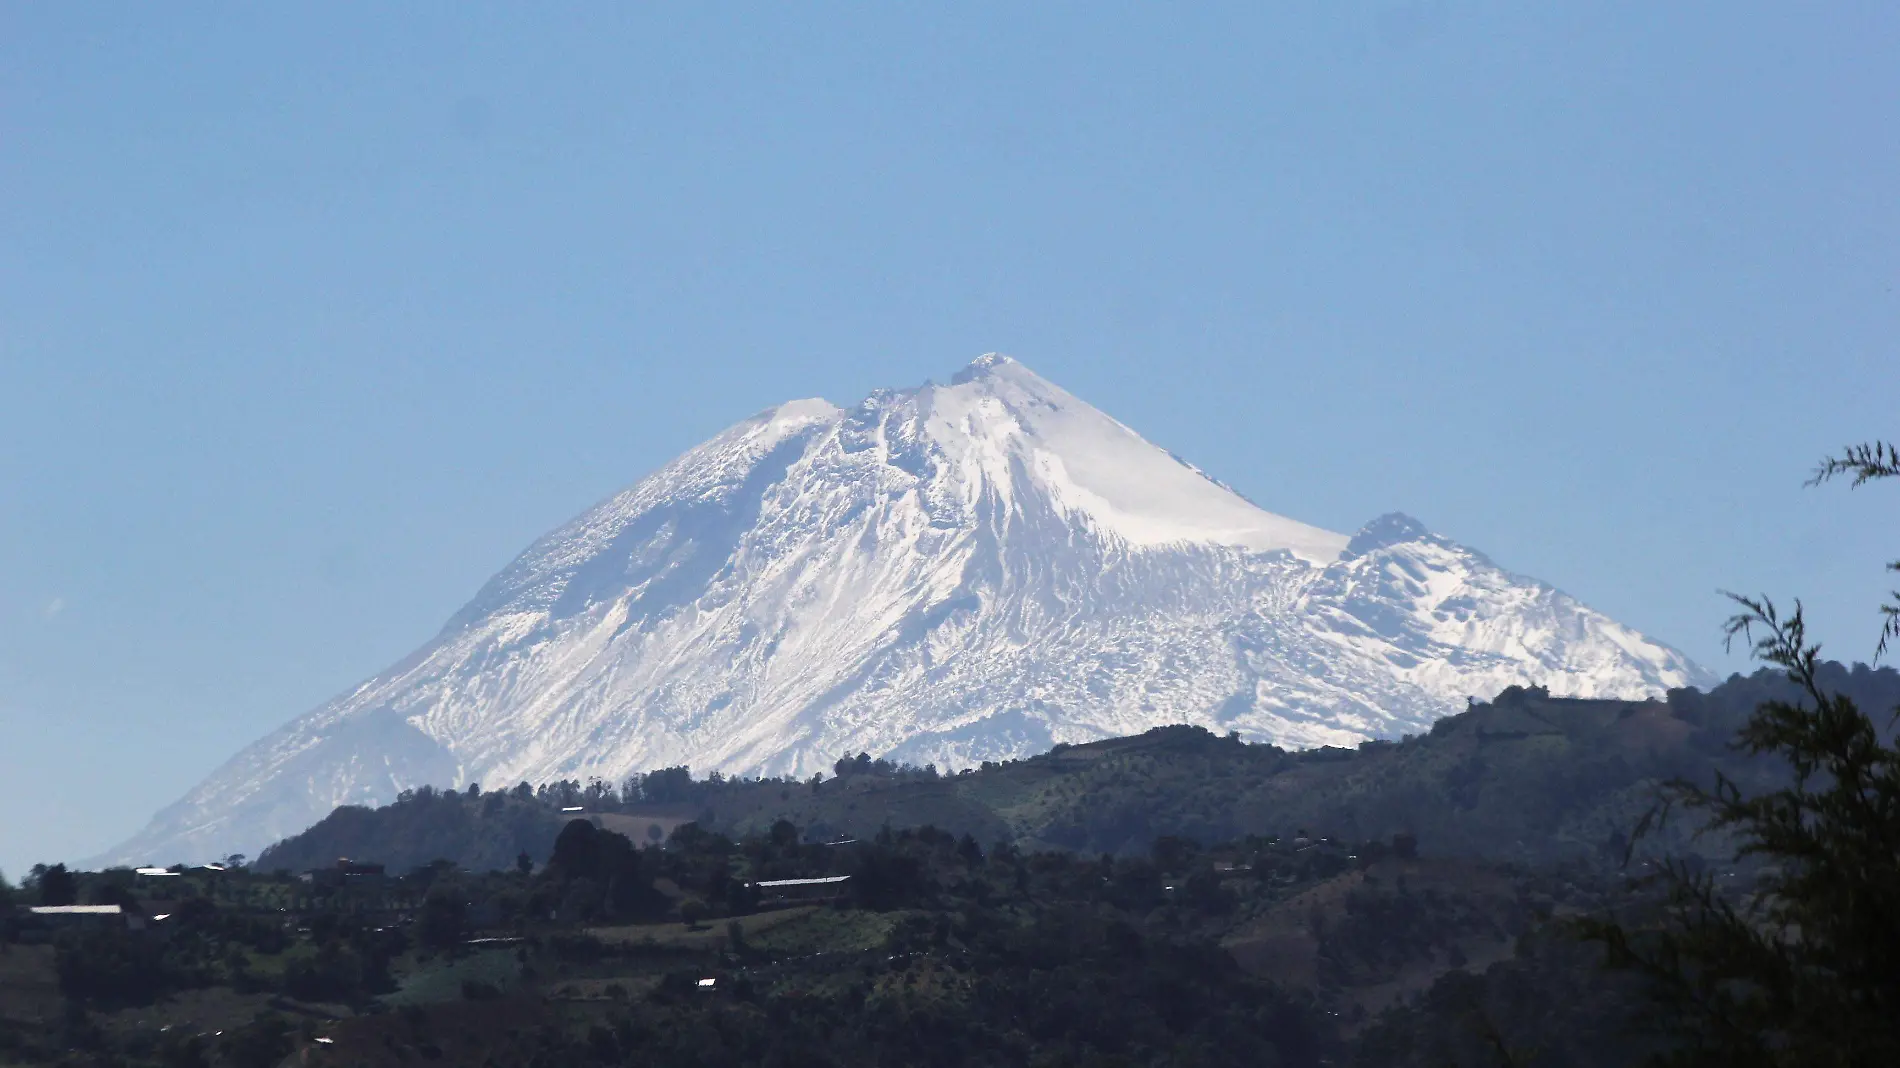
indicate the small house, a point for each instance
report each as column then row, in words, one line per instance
column 62, row 911
column 346, row 872
column 824, row 888
column 87, row 915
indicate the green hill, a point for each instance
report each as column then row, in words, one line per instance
column 1527, row 778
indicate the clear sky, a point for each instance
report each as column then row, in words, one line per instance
column 310, row 321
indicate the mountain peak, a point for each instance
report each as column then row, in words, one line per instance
column 946, row 574
column 1391, row 528
column 983, row 366
column 1013, row 432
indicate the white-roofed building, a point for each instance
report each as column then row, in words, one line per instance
column 822, row 888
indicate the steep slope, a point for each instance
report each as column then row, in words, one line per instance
column 947, row 574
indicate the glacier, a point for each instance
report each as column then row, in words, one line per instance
column 948, row 574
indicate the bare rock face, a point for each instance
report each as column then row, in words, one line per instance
column 942, row 575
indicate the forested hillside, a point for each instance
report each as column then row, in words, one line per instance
column 1174, row 898
column 921, row 948
column 1526, row 778
column 484, row 832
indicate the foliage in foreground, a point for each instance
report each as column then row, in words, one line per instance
column 1806, row 969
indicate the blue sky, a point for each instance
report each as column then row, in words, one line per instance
column 310, row 320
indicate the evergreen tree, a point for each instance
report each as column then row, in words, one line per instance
column 1864, row 464
column 54, row 884
column 443, row 920
column 1806, row 969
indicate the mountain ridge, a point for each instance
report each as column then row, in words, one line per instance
column 1526, row 778
column 943, row 575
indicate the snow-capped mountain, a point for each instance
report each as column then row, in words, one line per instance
column 946, row 574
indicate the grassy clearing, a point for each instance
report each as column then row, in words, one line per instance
column 607, row 988
column 806, row 929
column 705, row 936
column 825, row 931
column 441, row 979
column 194, row 1011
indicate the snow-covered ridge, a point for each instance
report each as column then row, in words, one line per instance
column 998, row 416
column 944, row 574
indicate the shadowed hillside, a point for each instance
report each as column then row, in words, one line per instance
column 1527, row 778
column 482, row 832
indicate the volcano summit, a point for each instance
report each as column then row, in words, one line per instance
column 946, row 574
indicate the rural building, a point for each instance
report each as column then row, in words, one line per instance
column 788, row 890
column 76, row 910
column 85, row 915
column 345, row 872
